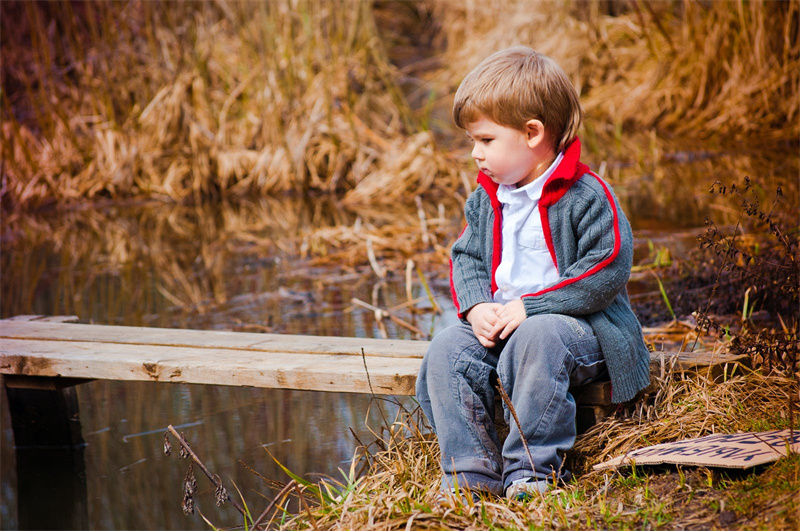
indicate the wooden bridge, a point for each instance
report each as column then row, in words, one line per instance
column 39, row 347
column 51, row 354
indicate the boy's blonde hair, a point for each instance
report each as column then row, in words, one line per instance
column 518, row 84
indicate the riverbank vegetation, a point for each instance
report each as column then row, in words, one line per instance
column 328, row 123
column 400, row 488
column 199, row 101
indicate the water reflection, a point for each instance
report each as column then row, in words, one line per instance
column 670, row 190
column 131, row 484
column 147, row 267
column 125, row 264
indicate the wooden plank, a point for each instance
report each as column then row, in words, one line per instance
column 692, row 360
column 280, row 370
column 588, row 416
column 599, row 393
column 595, row 393
column 213, row 339
column 44, row 318
column 707, row 363
column 279, row 343
column 291, row 361
column 23, row 318
column 60, row 319
column 44, row 417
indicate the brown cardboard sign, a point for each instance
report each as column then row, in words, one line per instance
column 737, row 450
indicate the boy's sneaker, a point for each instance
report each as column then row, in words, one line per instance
column 526, row 488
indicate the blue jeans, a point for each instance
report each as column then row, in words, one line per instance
column 536, row 365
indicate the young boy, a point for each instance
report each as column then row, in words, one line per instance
column 538, row 278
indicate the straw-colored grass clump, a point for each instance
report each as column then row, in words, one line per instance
column 401, row 485
column 719, row 71
column 196, row 101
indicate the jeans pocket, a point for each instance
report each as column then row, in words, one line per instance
column 591, row 371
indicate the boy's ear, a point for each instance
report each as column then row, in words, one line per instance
column 535, row 131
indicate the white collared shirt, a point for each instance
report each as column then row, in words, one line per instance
column 525, row 265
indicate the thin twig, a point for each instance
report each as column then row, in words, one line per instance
column 371, row 391
column 281, row 506
column 212, row 477
column 510, row 407
column 369, row 381
column 305, row 505
column 389, row 314
column 731, row 247
column 409, row 269
column 283, row 491
column 274, row 484
column 373, row 262
column 423, row 222
column 434, row 304
column 412, row 302
column 358, row 440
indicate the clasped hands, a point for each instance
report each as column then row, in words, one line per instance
column 492, row 322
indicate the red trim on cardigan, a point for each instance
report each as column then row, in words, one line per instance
column 565, row 175
column 548, row 237
column 557, row 185
column 453, row 291
column 497, row 228
column 603, row 263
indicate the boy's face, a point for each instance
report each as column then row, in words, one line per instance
column 503, row 153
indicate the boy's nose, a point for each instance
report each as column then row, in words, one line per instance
column 477, row 154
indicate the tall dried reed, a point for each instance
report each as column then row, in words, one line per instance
column 191, row 101
column 719, row 71
column 196, row 101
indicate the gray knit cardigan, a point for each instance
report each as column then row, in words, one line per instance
column 591, row 243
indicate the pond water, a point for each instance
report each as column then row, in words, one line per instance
column 67, row 267
column 231, row 268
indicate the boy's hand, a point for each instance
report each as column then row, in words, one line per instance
column 510, row 316
column 484, row 318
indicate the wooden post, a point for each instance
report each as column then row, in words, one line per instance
column 51, row 488
column 44, row 411
column 51, row 476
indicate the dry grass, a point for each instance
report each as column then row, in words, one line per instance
column 719, row 71
column 401, row 484
column 196, row 101
column 201, row 101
